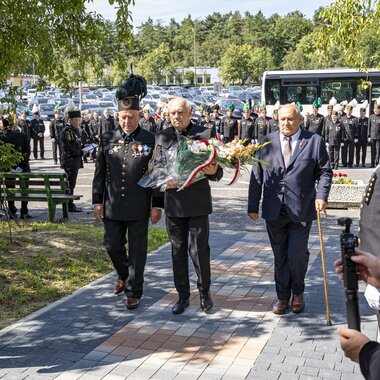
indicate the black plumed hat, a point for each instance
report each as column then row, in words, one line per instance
column 130, row 92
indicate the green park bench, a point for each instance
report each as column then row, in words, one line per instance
column 52, row 188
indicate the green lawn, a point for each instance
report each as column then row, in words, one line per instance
column 47, row 261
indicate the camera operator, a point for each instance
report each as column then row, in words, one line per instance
column 356, row 345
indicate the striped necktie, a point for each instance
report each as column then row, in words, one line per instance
column 287, row 151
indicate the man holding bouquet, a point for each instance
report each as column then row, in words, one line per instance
column 187, row 210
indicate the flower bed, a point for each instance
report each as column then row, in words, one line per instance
column 345, row 192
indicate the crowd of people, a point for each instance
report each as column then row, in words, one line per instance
column 293, row 188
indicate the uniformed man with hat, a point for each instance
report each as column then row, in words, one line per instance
column 216, row 118
column 55, row 128
column 165, row 122
column 147, row 122
column 374, row 133
column 273, row 123
column 246, row 124
column 361, row 145
column 316, row 120
column 230, row 127
column 71, row 150
column 118, row 201
column 24, row 125
column 262, row 123
column 333, row 136
column 208, row 123
column 38, row 129
column 342, row 107
column 350, row 124
column 330, row 107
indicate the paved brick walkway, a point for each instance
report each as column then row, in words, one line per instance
column 90, row 335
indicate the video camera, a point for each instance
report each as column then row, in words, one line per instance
column 348, row 242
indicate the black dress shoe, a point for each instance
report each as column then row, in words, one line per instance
column 180, row 306
column 73, row 208
column 26, row 216
column 206, row 302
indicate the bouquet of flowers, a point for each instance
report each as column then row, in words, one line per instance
column 184, row 162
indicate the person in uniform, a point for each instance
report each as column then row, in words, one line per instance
column 327, row 118
column 261, row 124
column 246, row 124
column 216, row 118
column 195, row 118
column 208, row 123
column 55, row 128
column 165, row 123
column 147, row 122
column 362, row 133
column 315, row 122
column 24, row 125
column 21, row 143
column 342, row 107
column 118, row 201
column 334, row 132
column 273, row 123
column 293, row 188
column 230, row 127
column 71, row 148
column 38, row 129
column 374, row 134
column 107, row 122
column 350, row 124
column 187, row 210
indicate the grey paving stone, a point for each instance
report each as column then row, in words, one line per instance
column 294, row 360
column 309, row 371
column 346, row 367
column 315, row 363
column 261, row 374
column 289, row 368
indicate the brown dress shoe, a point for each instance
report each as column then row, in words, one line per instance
column 119, row 286
column 298, row 304
column 280, row 307
column 132, row 303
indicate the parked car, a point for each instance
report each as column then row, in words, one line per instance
column 47, row 111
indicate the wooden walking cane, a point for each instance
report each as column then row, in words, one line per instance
column 324, row 266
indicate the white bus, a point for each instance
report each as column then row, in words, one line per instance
column 305, row 86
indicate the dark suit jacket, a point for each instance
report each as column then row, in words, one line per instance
column 297, row 183
column 117, row 171
column 195, row 200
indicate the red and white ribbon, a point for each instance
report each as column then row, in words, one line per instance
column 235, row 177
column 195, row 172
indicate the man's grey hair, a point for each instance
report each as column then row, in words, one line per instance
column 186, row 101
column 298, row 111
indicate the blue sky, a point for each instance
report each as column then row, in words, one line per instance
column 164, row 10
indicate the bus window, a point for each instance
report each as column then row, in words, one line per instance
column 339, row 89
column 272, row 91
column 293, row 94
column 302, row 94
column 375, row 91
